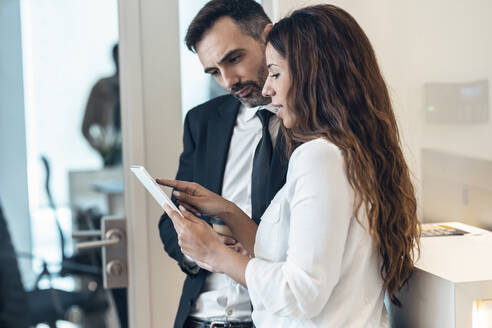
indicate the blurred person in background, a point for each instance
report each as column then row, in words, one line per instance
column 101, row 125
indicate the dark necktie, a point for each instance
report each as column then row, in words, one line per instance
column 261, row 168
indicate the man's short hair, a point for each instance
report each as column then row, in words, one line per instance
column 247, row 14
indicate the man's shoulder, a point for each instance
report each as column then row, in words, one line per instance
column 211, row 107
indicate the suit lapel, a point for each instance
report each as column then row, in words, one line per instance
column 219, row 135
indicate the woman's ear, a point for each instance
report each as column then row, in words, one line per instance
column 266, row 30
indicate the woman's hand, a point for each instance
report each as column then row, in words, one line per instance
column 201, row 201
column 197, row 199
column 197, row 239
column 232, row 244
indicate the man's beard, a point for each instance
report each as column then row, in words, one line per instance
column 254, row 97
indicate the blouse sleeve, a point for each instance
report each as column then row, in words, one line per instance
column 321, row 212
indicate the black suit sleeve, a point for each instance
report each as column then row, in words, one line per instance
column 168, row 235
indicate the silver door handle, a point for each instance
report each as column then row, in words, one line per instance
column 114, row 246
column 86, row 233
column 113, row 237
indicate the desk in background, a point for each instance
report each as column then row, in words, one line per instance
column 101, row 189
column 451, row 284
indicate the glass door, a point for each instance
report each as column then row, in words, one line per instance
column 70, row 84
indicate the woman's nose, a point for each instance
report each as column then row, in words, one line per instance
column 267, row 90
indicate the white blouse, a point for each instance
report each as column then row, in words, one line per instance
column 315, row 265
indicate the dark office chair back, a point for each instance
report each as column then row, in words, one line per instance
column 13, row 299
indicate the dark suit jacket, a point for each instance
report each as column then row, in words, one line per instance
column 207, row 135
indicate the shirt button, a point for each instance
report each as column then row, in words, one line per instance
column 229, row 312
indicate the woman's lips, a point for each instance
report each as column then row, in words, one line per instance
column 277, row 107
column 278, row 111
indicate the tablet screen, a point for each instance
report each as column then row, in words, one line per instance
column 152, row 187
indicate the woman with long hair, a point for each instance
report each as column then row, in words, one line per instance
column 343, row 231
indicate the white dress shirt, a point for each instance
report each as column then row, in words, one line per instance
column 315, row 265
column 222, row 298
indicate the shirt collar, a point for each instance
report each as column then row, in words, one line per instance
column 250, row 112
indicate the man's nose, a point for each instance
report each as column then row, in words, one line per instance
column 229, row 78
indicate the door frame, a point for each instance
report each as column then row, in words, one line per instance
column 151, row 131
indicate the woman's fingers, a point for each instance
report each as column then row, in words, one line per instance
column 189, row 208
column 227, row 240
column 185, row 227
column 187, row 187
column 181, row 223
column 167, row 182
column 186, row 198
column 188, row 215
column 175, row 218
column 205, row 266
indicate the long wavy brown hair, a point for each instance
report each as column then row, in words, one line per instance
column 338, row 93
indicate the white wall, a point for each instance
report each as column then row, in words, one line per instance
column 13, row 162
column 418, row 42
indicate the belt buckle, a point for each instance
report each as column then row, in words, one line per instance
column 217, row 324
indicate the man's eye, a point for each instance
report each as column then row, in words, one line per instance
column 214, row 73
column 235, row 59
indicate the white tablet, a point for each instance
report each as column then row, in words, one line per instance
column 152, row 187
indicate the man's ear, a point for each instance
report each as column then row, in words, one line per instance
column 266, row 30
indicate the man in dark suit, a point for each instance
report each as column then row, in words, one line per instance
column 232, row 146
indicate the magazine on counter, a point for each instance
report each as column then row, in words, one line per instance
column 436, row 230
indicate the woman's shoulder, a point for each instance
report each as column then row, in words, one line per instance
column 318, row 164
column 318, row 156
column 315, row 150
